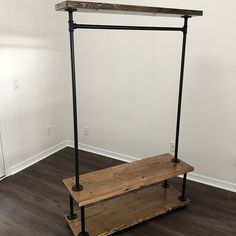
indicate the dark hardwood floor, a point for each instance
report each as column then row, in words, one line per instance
column 34, row 201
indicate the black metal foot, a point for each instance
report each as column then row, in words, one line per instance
column 165, row 184
column 83, row 234
column 72, row 216
column 175, row 161
column 77, row 188
column 183, row 198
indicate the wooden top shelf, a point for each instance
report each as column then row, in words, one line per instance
column 124, row 9
column 114, row 181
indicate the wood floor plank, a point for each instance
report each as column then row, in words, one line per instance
column 110, row 182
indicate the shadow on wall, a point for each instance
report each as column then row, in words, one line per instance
column 8, row 41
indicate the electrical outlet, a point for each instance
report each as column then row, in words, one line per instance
column 49, row 130
column 172, row 147
column 86, row 131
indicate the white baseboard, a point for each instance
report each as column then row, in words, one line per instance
column 36, row 158
column 212, row 182
column 103, row 152
column 3, row 177
column 191, row 176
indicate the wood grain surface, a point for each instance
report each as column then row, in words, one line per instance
column 110, row 182
column 124, row 9
column 108, row 217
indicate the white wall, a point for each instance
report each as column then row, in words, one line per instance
column 128, row 84
column 33, row 47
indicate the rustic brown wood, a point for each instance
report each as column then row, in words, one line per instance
column 111, row 182
column 124, row 9
column 111, row 216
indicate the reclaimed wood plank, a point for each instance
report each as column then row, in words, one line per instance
column 124, row 9
column 108, row 217
column 111, row 182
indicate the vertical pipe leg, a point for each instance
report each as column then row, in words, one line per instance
column 77, row 186
column 183, row 196
column 185, row 28
column 165, row 184
column 83, row 232
column 71, row 215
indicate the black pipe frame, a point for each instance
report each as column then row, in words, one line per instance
column 176, row 160
column 165, row 184
column 183, row 197
column 126, row 27
column 83, row 231
column 72, row 27
column 72, row 215
column 77, row 187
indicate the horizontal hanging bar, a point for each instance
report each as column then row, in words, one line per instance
column 124, row 27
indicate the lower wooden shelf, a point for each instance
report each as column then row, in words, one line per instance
column 110, row 216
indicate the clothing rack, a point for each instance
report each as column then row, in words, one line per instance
column 119, row 197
